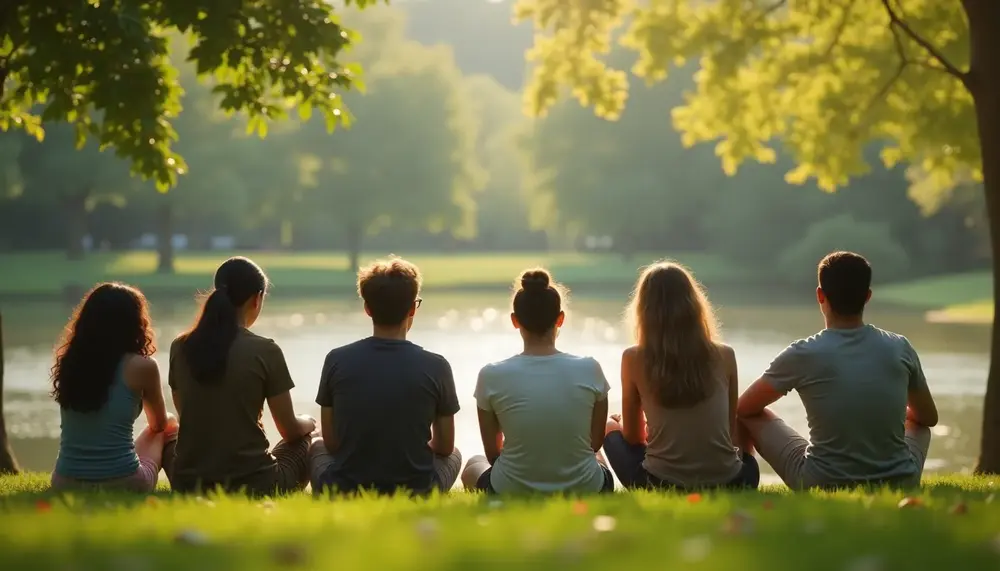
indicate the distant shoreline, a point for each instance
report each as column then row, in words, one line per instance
column 49, row 277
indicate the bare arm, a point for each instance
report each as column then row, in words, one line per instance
column 756, row 398
column 330, row 440
column 920, row 407
column 143, row 377
column 598, row 418
column 733, row 378
column 443, row 435
column 633, row 419
column 290, row 426
column 489, row 430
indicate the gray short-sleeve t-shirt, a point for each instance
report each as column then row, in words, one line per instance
column 854, row 384
column 385, row 394
column 544, row 405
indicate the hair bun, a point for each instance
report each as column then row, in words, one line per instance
column 535, row 280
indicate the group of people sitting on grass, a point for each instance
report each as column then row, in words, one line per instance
column 388, row 406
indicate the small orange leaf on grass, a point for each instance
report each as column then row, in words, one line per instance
column 768, row 505
column 152, row 501
column 909, row 502
column 694, row 498
column 959, row 509
column 43, row 506
column 579, row 508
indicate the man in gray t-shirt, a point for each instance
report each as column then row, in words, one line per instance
column 865, row 395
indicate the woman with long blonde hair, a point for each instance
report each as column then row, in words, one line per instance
column 679, row 389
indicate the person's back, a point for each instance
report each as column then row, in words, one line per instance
column 854, row 385
column 541, row 413
column 679, row 385
column 103, row 378
column 222, row 440
column 544, row 404
column 221, row 375
column 97, row 445
column 385, row 394
column 691, row 446
column 867, row 402
column 387, row 405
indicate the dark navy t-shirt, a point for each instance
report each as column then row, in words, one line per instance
column 385, row 394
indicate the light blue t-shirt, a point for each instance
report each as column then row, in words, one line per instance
column 854, row 384
column 98, row 445
column 544, row 405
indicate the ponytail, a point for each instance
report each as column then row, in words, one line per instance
column 206, row 346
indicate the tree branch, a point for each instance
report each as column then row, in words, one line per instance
column 845, row 17
column 896, row 23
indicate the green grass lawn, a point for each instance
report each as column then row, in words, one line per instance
column 39, row 273
column 965, row 298
column 953, row 525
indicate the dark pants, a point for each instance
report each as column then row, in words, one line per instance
column 483, row 483
column 626, row 460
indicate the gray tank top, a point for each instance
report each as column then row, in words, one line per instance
column 691, row 446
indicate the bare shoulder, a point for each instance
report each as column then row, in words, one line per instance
column 630, row 354
column 141, row 371
column 726, row 351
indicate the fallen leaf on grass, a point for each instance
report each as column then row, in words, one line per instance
column 768, row 505
column 43, row 506
column 909, row 502
column 693, row 498
column 738, row 523
column 579, row 508
column 290, row 555
column 152, row 501
column 604, row 523
column 959, row 509
column 191, row 537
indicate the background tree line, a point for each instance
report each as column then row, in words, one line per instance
column 439, row 156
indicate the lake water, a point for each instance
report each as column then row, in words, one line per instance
column 472, row 330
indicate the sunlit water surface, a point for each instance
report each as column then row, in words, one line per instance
column 472, row 330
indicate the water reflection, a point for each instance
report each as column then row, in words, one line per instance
column 472, row 330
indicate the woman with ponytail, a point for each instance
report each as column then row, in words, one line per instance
column 541, row 412
column 221, row 375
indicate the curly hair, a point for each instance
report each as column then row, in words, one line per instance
column 112, row 321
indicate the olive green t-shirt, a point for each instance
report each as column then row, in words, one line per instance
column 221, row 438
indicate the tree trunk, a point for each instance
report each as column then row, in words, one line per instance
column 354, row 236
column 8, row 465
column 984, row 84
column 76, row 227
column 165, row 236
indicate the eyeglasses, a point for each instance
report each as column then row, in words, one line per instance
column 419, row 301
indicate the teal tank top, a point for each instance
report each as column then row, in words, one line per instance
column 98, row 445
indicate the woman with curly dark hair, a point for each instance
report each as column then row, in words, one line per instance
column 221, row 375
column 103, row 377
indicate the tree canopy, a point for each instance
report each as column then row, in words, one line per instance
column 73, row 62
column 823, row 78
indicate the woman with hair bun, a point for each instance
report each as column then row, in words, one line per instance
column 221, row 375
column 541, row 412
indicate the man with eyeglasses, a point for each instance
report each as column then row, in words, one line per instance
column 388, row 405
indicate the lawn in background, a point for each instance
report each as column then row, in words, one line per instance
column 964, row 298
column 954, row 523
column 41, row 273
